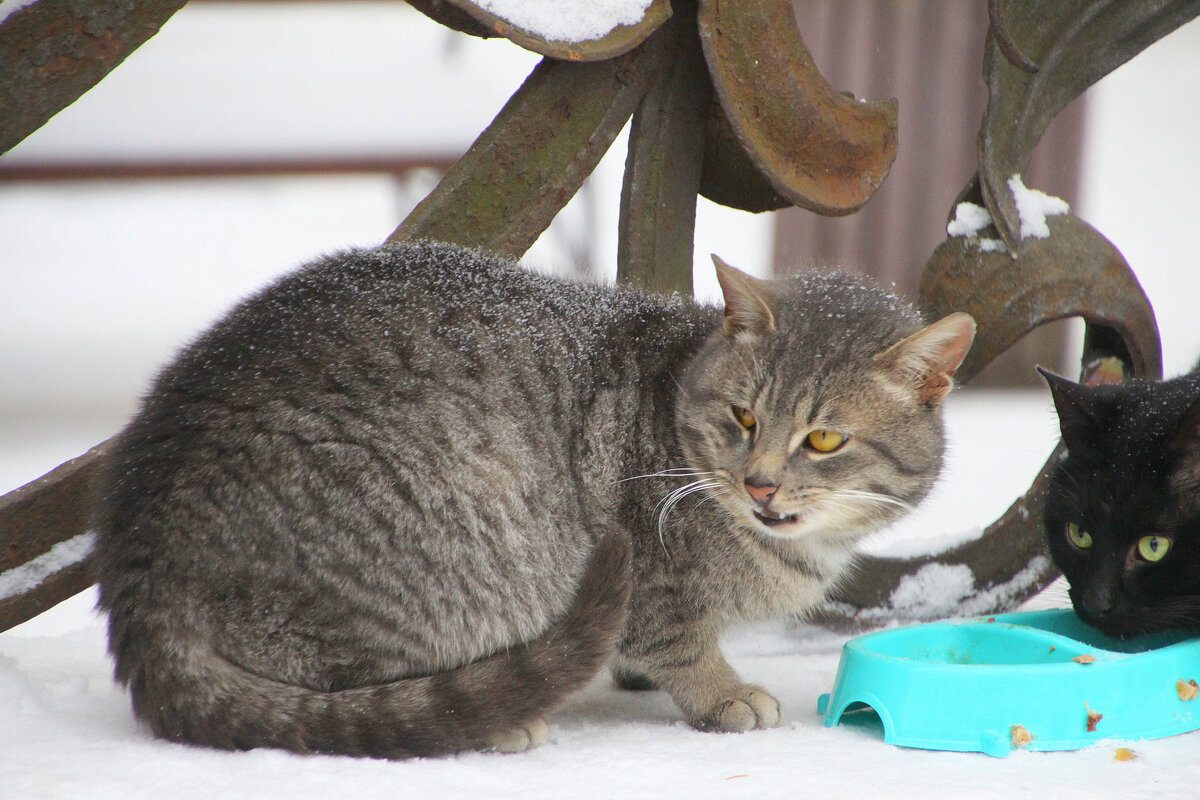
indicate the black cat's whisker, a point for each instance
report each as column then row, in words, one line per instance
column 1178, row 612
column 1057, row 592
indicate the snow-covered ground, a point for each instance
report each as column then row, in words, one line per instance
column 68, row 732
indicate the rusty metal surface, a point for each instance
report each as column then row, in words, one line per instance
column 1060, row 47
column 1074, row 272
column 36, row 517
column 728, row 176
column 536, row 154
column 468, row 17
column 55, row 50
column 662, row 170
column 451, row 16
column 820, row 149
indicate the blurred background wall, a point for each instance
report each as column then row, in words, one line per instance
column 927, row 54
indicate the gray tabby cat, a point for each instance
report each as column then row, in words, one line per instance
column 405, row 500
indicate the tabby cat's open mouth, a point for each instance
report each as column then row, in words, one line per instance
column 769, row 518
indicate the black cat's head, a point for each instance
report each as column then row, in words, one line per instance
column 1123, row 508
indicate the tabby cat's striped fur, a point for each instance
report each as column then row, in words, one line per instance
column 389, row 505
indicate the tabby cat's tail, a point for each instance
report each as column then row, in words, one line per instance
column 190, row 694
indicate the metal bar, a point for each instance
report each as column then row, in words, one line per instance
column 55, row 50
column 54, row 172
column 34, row 519
column 663, row 168
column 536, row 154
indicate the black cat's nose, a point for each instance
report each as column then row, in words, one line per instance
column 761, row 489
column 1098, row 600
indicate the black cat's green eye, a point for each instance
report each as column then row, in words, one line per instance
column 744, row 416
column 1078, row 537
column 1153, row 548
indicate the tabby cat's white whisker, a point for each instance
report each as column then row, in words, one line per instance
column 671, row 500
column 874, row 497
column 674, row 472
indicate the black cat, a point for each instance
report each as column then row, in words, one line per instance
column 1123, row 508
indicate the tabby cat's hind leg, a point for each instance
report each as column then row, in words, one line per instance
column 631, row 680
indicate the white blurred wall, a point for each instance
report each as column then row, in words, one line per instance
column 101, row 282
column 1141, row 174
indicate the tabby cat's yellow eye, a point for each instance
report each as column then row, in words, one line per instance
column 824, row 441
column 1153, row 548
column 1078, row 537
column 744, row 416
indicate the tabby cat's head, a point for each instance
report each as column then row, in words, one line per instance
column 1123, row 507
column 816, row 411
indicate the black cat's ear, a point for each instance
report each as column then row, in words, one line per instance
column 1187, row 443
column 746, row 307
column 927, row 360
column 1075, row 420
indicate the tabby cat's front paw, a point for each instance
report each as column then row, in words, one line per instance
column 521, row 738
column 747, row 708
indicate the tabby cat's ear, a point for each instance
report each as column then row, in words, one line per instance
column 746, row 307
column 926, row 360
column 1079, row 427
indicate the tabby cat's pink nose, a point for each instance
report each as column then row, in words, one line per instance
column 762, row 493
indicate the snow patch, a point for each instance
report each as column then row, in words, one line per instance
column 568, row 20
column 932, row 588
column 969, row 220
column 941, row 591
column 937, row 591
column 26, row 577
column 1034, row 207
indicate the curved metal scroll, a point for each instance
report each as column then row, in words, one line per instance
column 820, row 149
column 472, row 18
column 1039, row 57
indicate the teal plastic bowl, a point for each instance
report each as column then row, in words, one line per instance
column 1041, row 680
